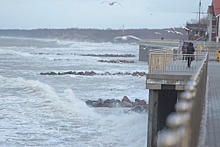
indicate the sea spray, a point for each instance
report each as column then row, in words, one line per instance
column 41, row 110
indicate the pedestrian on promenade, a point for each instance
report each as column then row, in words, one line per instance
column 184, row 49
column 190, row 53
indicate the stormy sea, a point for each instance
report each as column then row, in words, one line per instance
column 44, row 84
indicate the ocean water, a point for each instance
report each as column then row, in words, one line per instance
column 50, row 110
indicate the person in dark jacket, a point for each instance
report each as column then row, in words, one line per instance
column 190, row 52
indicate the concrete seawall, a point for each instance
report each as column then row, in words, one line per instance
column 147, row 45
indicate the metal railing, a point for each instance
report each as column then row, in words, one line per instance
column 183, row 126
column 162, row 61
column 159, row 58
column 205, row 46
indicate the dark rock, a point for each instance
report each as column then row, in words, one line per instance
column 89, row 102
column 139, row 109
column 126, row 99
column 98, row 103
column 111, row 103
column 126, row 104
column 136, row 106
column 80, row 73
column 142, row 102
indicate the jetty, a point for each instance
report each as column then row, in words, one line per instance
column 183, row 108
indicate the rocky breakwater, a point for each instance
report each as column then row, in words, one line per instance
column 116, row 61
column 136, row 106
column 93, row 73
column 108, row 55
column 112, row 55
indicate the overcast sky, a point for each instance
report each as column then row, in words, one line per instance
column 151, row 14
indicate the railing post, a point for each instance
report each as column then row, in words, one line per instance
column 184, row 108
column 164, row 71
column 167, row 139
column 150, row 63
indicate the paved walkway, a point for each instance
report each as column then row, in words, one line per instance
column 213, row 106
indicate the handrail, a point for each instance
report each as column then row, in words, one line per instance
column 167, row 61
column 184, row 124
column 159, row 62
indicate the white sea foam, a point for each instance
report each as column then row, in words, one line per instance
column 16, row 53
column 65, row 102
column 39, row 110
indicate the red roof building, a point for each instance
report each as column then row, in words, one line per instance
column 216, row 4
column 196, row 31
column 213, row 30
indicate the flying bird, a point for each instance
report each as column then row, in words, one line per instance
column 125, row 38
column 157, row 33
column 111, row 3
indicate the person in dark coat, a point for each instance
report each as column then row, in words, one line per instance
column 190, row 52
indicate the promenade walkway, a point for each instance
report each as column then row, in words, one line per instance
column 213, row 106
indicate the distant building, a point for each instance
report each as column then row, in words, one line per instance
column 196, row 31
column 213, row 29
